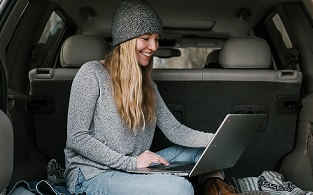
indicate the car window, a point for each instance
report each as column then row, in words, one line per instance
column 190, row 58
column 43, row 52
column 193, row 52
column 281, row 41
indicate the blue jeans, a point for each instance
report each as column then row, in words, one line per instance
column 121, row 183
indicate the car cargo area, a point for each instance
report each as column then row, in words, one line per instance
column 215, row 58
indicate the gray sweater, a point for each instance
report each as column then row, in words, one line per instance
column 97, row 138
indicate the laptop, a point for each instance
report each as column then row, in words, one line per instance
column 223, row 151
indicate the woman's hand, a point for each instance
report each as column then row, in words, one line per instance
column 147, row 158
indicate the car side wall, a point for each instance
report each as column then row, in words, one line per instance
column 298, row 165
column 21, row 31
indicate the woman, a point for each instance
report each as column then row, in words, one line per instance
column 113, row 110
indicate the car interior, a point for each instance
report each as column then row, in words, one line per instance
column 215, row 57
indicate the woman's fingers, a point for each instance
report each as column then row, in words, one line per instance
column 147, row 158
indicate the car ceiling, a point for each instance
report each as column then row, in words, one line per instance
column 230, row 17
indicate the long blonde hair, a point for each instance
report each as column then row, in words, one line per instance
column 131, row 85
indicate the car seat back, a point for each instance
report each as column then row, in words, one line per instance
column 6, row 151
column 245, row 83
column 50, row 92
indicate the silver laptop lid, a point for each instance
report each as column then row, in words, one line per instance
column 229, row 142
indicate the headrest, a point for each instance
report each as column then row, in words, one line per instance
column 79, row 49
column 245, row 52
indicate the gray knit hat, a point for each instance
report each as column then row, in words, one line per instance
column 134, row 18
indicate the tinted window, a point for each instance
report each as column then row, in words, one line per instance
column 43, row 52
column 286, row 54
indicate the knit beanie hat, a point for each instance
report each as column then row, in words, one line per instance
column 134, row 18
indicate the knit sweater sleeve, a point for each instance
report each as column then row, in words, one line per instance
column 177, row 132
column 84, row 94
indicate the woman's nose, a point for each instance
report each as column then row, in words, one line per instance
column 153, row 45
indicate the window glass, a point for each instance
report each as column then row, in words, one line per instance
column 280, row 39
column 191, row 57
column 281, row 28
column 43, row 52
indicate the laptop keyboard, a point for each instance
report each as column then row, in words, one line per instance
column 186, row 167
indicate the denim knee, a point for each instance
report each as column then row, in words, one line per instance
column 176, row 186
column 185, row 187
